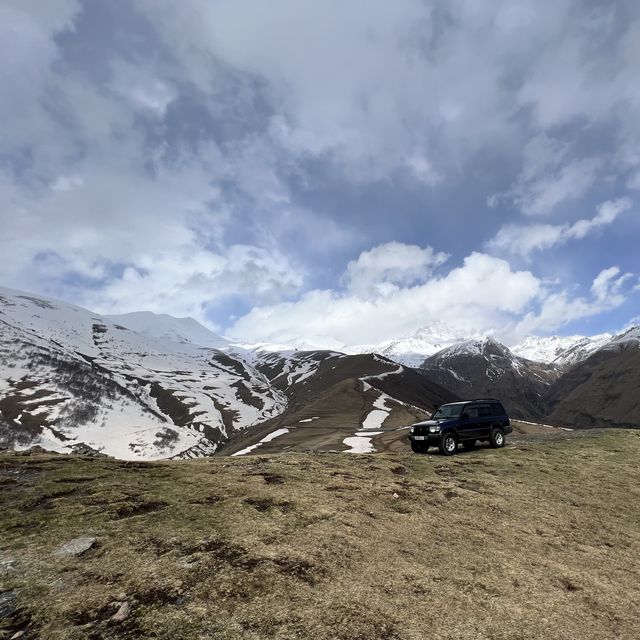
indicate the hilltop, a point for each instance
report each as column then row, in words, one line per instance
column 490, row 544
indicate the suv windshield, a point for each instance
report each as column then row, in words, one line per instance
column 448, row 411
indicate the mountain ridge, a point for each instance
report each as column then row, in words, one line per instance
column 71, row 380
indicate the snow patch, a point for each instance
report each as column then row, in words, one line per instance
column 267, row 438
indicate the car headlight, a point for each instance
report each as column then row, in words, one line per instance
column 434, row 428
column 411, row 429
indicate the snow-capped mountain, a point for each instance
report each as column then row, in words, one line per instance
column 560, row 350
column 629, row 337
column 72, row 380
column 70, row 377
column 414, row 349
column 486, row 368
column 165, row 327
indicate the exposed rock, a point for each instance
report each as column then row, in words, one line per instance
column 76, row 547
column 8, row 604
column 122, row 613
column 7, row 566
column 34, row 449
column 83, row 449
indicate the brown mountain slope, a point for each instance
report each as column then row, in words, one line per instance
column 486, row 368
column 602, row 391
column 338, row 396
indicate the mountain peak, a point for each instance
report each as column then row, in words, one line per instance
column 475, row 347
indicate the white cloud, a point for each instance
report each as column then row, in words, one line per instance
column 606, row 286
column 519, row 239
column 607, row 213
column 477, row 296
column 524, row 239
column 187, row 283
column 559, row 308
column 482, row 296
column 390, row 266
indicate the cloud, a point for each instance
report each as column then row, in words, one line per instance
column 483, row 295
column 188, row 283
column 559, row 308
column 607, row 285
column 389, row 266
column 151, row 140
column 524, row 239
column 477, row 296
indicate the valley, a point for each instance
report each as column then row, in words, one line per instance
column 144, row 386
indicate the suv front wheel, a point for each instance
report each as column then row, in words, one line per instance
column 497, row 438
column 448, row 444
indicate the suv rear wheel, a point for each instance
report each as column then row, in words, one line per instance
column 448, row 444
column 497, row 438
column 419, row 447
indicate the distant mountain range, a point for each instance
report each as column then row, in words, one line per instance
column 560, row 350
column 139, row 386
column 415, row 349
column 144, row 385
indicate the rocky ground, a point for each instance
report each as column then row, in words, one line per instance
column 536, row 540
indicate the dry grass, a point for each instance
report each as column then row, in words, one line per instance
column 538, row 540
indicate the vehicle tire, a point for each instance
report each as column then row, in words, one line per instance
column 448, row 444
column 470, row 445
column 497, row 438
column 419, row 447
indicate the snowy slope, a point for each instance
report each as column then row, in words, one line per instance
column 414, row 349
column 70, row 377
column 628, row 337
column 165, row 327
column 560, row 350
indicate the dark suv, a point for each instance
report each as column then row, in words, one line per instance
column 466, row 422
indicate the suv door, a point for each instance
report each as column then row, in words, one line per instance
column 485, row 420
column 468, row 428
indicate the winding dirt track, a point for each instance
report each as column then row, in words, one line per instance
column 329, row 437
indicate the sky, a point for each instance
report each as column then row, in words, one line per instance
column 344, row 172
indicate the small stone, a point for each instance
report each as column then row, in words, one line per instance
column 8, row 604
column 7, row 566
column 76, row 547
column 395, row 495
column 17, row 635
column 122, row 613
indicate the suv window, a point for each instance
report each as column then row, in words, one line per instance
column 448, row 411
column 497, row 409
column 484, row 411
column 470, row 412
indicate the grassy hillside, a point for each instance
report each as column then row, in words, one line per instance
column 537, row 540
